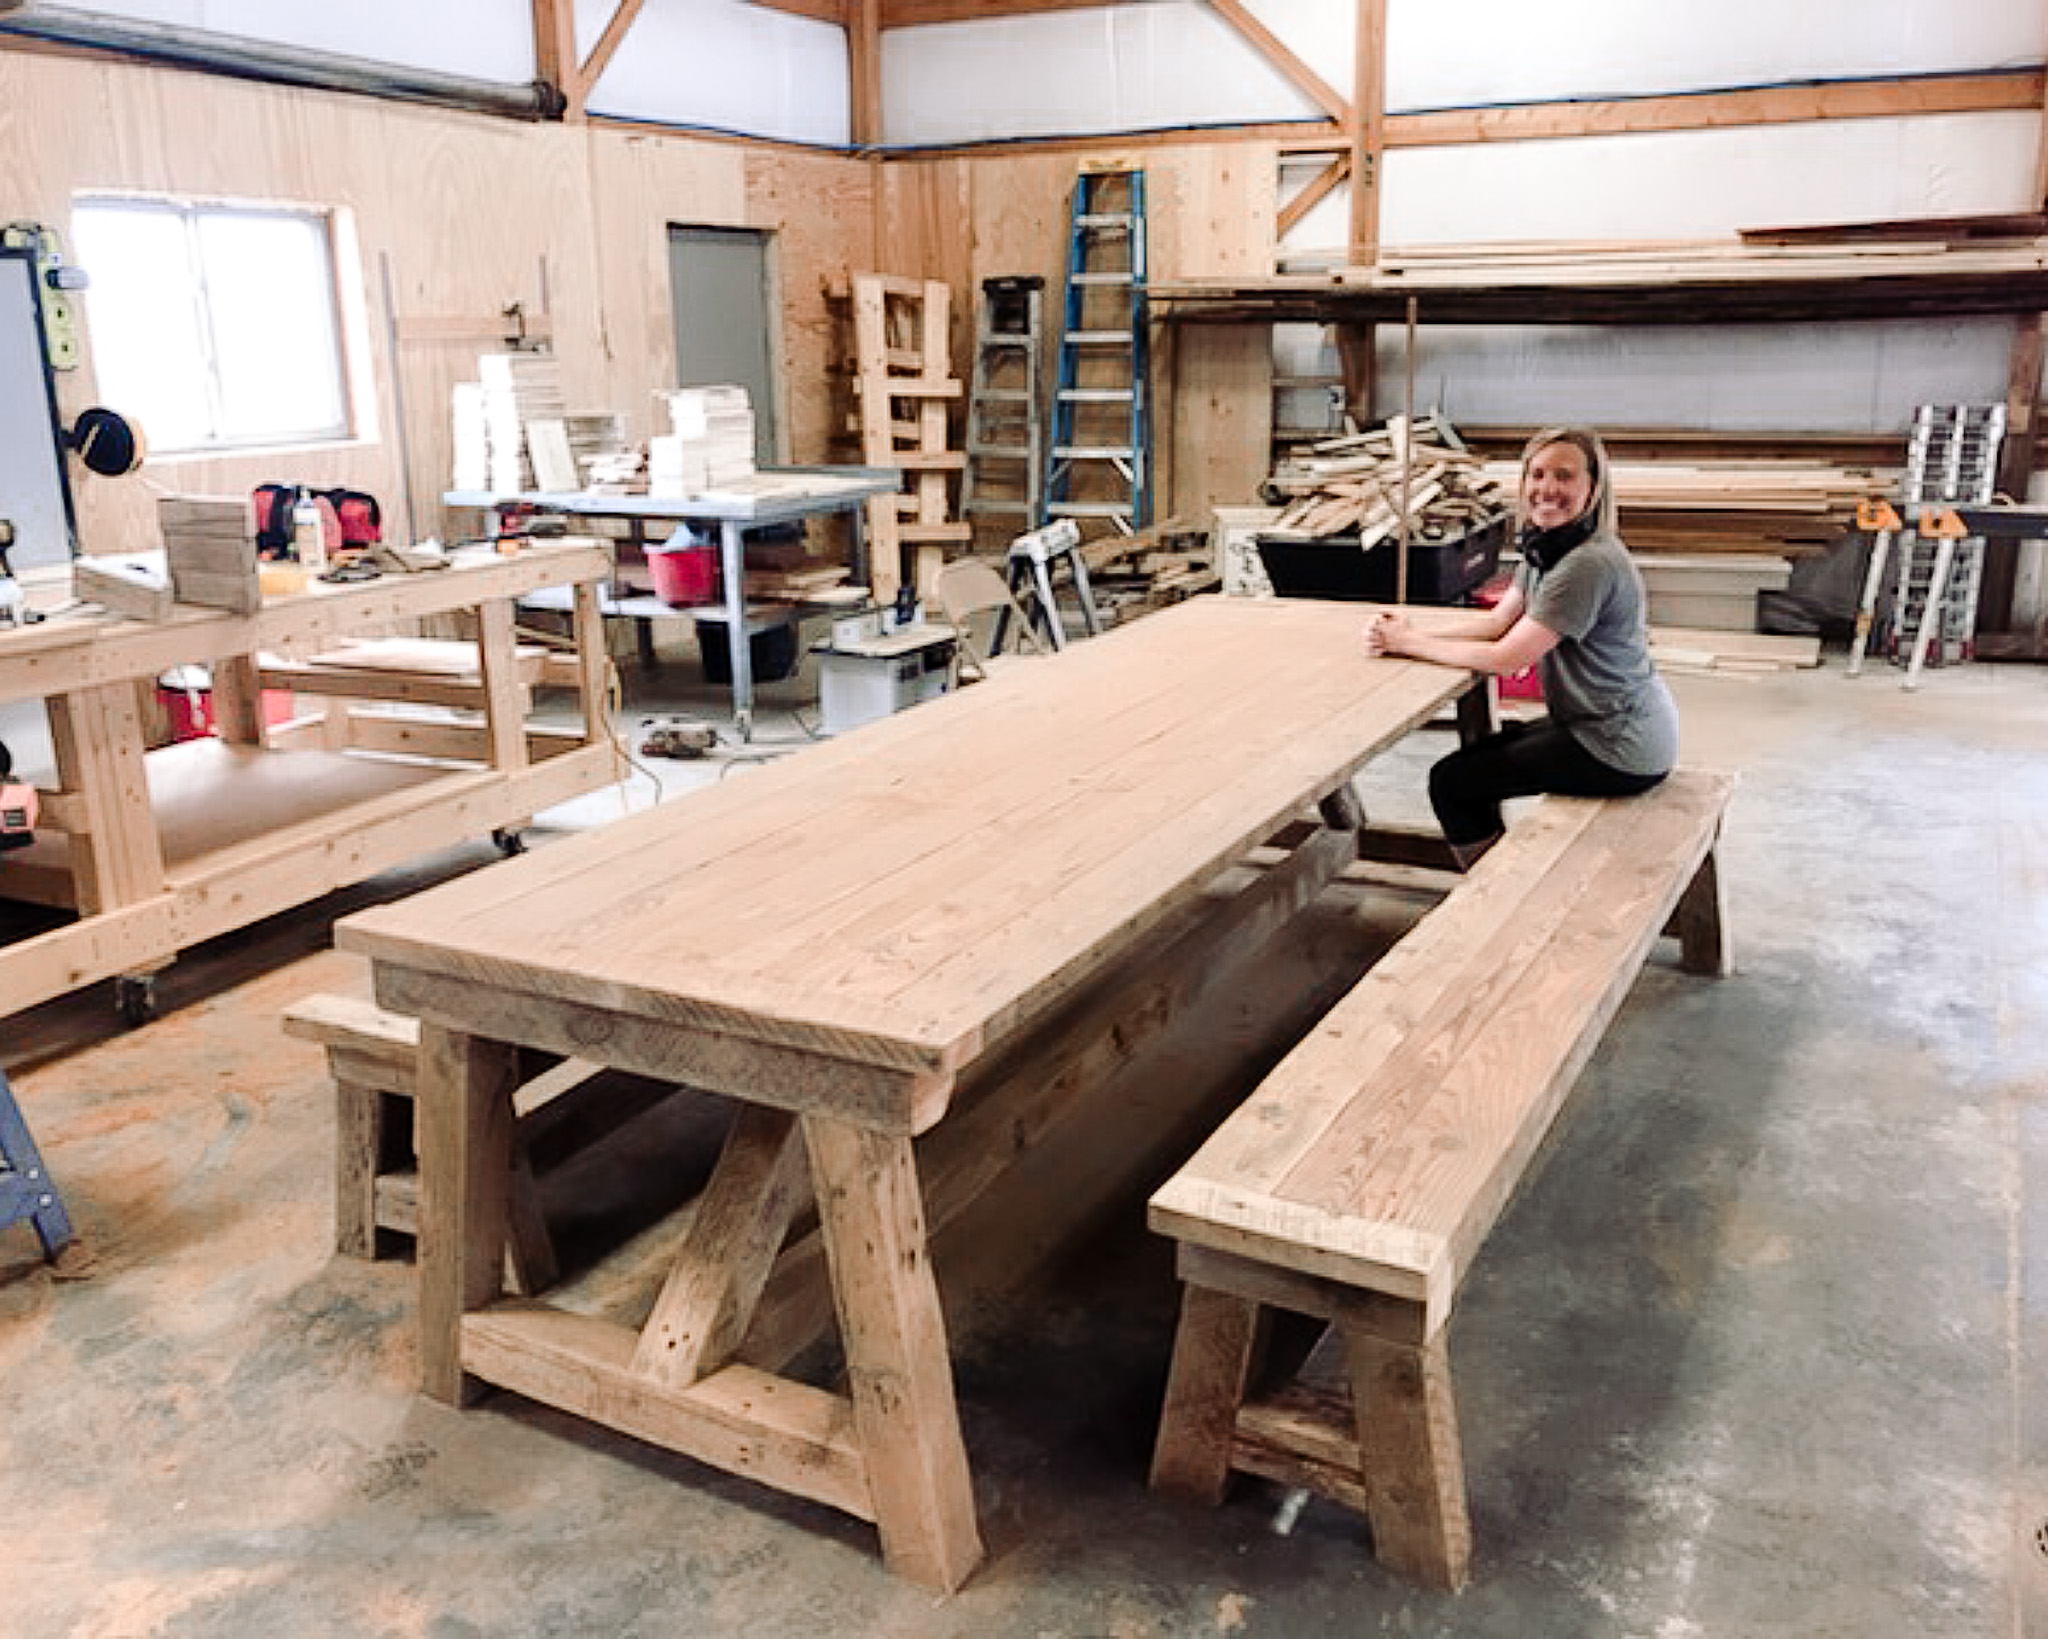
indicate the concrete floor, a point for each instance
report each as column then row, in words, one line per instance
column 1754, row 1352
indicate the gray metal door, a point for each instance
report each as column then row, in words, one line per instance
column 719, row 288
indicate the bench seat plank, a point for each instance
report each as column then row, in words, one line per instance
column 1358, row 1183
column 1380, row 1153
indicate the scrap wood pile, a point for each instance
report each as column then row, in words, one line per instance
column 1365, row 483
column 1158, row 566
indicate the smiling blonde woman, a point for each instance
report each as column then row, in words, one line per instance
column 1578, row 610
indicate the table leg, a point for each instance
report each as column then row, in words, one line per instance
column 464, row 1117
column 733, row 564
column 872, row 1214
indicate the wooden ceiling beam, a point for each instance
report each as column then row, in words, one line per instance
column 554, row 51
column 819, row 11
column 607, row 44
column 1327, row 181
column 864, row 71
column 915, row 13
column 1296, row 72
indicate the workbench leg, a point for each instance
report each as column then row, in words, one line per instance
column 732, row 558
column 872, row 1213
column 1215, row 1352
column 1414, row 1469
column 465, row 1122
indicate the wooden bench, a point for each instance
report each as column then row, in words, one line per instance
column 1360, row 1180
column 373, row 1057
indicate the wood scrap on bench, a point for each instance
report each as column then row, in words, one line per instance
column 1360, row 1180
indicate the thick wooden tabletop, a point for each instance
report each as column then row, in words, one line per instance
column 907, row 894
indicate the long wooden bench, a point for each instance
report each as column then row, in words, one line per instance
column 1360, row 1180
column 373, row 1058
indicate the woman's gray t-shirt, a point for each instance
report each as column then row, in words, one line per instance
column 1598, row 681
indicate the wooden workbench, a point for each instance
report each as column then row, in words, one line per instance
column 158, row 850
column 851, row 944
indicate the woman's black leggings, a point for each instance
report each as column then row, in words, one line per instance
column 1523, row 760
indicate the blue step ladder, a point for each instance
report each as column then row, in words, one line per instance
column 1099, row 462
column 26, row 1189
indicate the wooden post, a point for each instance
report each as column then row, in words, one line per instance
column 1215, row 1353
column 864, row 72
column 554, row 52
column 1414, row 1469
column 1368, row 131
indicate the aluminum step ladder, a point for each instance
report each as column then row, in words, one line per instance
column 26, row 1189
column 1005, row 414
column 1099, row 465
column 1951, row 461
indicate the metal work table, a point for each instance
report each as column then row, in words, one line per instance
column 775, row 495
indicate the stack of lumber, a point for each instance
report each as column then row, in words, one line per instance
column 1786, row 507
column 1160, row 565
column 1692, row 652
column 1640, row 282
column 709, row 444
column 1367, row 482
column 210, row 551
column 783, row 567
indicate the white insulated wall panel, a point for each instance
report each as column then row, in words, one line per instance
column 476, row 39
column 1171, row 63
column 1107, row 69
column 1862, row 377
column 725, row 66
column 1677, row 184
column 1488, row 51
column 1687, row 184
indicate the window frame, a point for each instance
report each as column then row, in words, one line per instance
column 189, row 211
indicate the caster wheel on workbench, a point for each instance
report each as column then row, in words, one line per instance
column 135, row 998
column 509, row 843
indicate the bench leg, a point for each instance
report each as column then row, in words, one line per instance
column 363, row 1134
column 1701, row 922
column 1408, row 1446
column 1215, row 1353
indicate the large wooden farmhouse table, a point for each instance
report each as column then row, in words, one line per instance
column 835, row 941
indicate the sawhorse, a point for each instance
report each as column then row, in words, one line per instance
column 1031, row 561
column 26, row 1189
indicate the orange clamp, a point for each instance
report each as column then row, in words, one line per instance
column 1873, row 514
column 1942, row 525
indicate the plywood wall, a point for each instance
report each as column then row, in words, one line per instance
column 1210, row 209
column 464, row 215
column 468, row 215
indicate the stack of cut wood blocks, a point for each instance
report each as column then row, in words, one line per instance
column 494, row 416
column 903, row 381
column 1368, row 482
column 709, row 444
column 210, row 550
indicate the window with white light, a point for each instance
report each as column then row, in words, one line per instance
column 214, row 327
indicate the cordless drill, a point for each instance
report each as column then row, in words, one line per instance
column 17, row 806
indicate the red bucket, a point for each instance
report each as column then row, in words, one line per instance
column 684, row 575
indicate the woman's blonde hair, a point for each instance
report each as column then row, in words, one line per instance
column 1587, row 443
